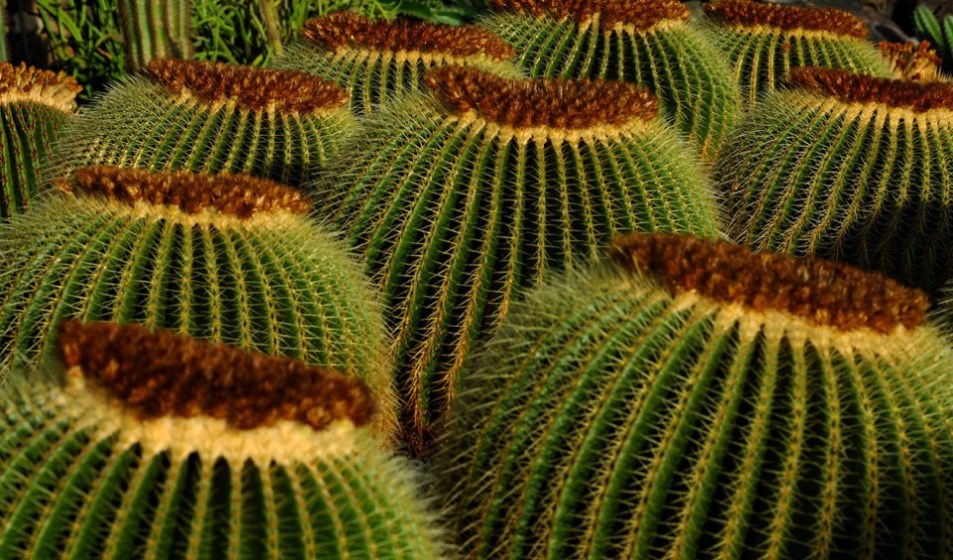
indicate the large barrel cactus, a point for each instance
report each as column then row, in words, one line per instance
column 379, row 60
column 204, row 117
column 225, row 258
column 848, row 167
column 700, row 401
column 34, row 105
column 459, row 199
column 765, row 41
column 646, row 42
column 152, row 445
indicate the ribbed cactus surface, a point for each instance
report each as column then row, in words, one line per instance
column 646, row 42
column 705, row 402
column 34, row 106
column 458, row 200
column 848, row 167
column 154, row 446
column 154, row 30
column 203, row 117
column 379, row 60
column 764, row 41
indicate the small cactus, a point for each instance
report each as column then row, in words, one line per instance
column 646, row 42
column 764, row 41
column 379, row 60
column 34, row 106
column 153, row 445
column 204, row 117
column 223, row 258
column 700, row 401
column 459, row 199
column 154, row 30
column 848, row 167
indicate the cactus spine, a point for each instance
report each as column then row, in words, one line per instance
column 646, row 42
column 704, row 402
column 34, row 105
column 204, row 117
column 154, row 30
column 377, row 61
column 151, row 445
column 459, row 199
column 848, row 167
column 765, row 41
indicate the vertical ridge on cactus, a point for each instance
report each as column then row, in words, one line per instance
column 696, row 400
column 154, row 30
column 646, row 42
column 377, row 61
column 34, row 106
column 204, row 117
column 764, row 41
column 226, row 258
column 849, row 167
column 209, row 454
column 459, row 199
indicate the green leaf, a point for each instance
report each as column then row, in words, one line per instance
column 927, row 26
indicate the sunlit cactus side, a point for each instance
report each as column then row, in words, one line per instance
column 764, row 41
column 224, row 258
column 377, row 61
column 646, row 42
column 848, row 167
column 34, row 106
column 696, row 400
column 152, row 445
column 154, row 30
column 459, row 199
column 205, row 117
column 913, row 61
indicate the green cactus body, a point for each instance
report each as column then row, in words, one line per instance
column 705, row 403
column 154, row 30
column 205, row 117
column 379, row 60
column 242, row 265
column 764, row 42
column 457, row 203
column 85, row 473
column 646, row 42
column 34, row 106
column 851, row 168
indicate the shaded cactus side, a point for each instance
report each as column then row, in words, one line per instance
column 154, row 30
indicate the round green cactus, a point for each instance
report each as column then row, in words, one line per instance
column 224, row 258
column 152, row 445
column 646, row 42
column 204, row 117
column 765, row 41
column 848, row 167
column 34, row 105
column 701, row 401
column 380, row 60
column 459, row 199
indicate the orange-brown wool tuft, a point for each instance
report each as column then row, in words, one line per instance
column 254, row 89
column 560, row 104
column 919, row 97
column 348, row 29
column 912, row 61
column 158, row 373
column 237, row 195
column 18, row 82
column 642, row 15
column 787, row 18
column 825, row 292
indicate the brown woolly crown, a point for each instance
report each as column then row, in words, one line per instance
column 642, row 15
column 561, row 104
column 252, row 88
column 237, row 195
column 159, row 373
column 825, row 292
column 348, row 29
column 22, row 83
column 919, row 97
column 912, row 61
column 787, row 18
